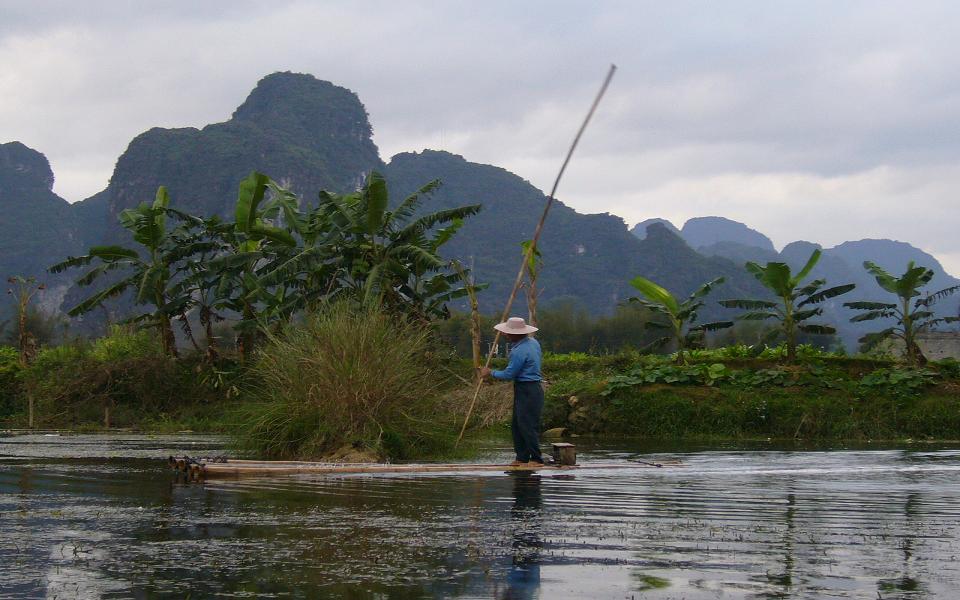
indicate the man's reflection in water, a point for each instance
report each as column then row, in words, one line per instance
column 523, row 580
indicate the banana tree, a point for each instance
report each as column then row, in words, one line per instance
column 910, row 320
column 247, row 245
column 194, row 286
column 680, row 315
column 471, row 288
column 789, row 309
column 148, row 274
column 310, row 267
column 388, row 256
column 534, row 263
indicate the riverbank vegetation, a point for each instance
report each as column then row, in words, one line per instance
column 323, row 331
column 728, row 393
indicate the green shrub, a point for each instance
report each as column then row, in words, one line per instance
column 123, row 343
column 948, row 367
column 347, row 377
column 124, row 373
column 9, row 386
column 897, row 381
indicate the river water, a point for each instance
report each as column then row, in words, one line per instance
column 87, row 516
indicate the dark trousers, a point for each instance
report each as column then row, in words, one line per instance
column 527, row 408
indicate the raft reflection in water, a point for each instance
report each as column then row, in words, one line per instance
column 523, row 578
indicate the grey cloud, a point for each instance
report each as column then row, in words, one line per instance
column 791, row 100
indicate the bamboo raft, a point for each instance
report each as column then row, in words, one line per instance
column 201, row 469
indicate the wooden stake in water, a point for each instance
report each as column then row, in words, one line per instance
column 531, row 248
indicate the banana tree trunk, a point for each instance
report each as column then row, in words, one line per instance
column 248, row 338
column 790, row 331
column 678, row 334
column 908, row 335
column 206, row 317
column 532, row 294
column 167, row 338
column 474, row 327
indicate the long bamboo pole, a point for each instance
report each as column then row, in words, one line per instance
column 536, row 237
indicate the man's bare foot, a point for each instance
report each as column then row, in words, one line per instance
column 534, row 463
column 517, row 463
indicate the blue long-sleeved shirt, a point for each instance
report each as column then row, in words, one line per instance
column 525, row 360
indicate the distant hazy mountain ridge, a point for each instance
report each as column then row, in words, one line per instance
column 838, row 265
column 310, row 135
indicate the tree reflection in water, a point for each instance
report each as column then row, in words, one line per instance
column 523, row 579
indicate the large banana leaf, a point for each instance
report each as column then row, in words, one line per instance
column 427, row 222
column 688, row 311
column 446, row 233
column 100, row 297
column 293, row 266
column 532, row 254
column 71, row 261
column 184, row 217
column 875, row 314
column 92, row 275
column 934, row 322
column 870, row 305
column 410, row 204
column 811, row 263
column 827, row 294
column 376, row 200
column 748, row 304
column 104, row 253
column 817, row 329
column 886, row 281
column 251, row 194
column 160, row 203
column 342, row 210
column 270, row 232
column 810, row 288
column 233, row 261
column 775, row 276
column 803, row 315
column 714, row 326
column 706, row 288
column 112, row 253
column 655, row 293
column 934, row 297
column 416, row 255
column 151, row 279
column 289, row 205
column 758, row 316
column 651, row 306
column 870, row 340
column 915, row 278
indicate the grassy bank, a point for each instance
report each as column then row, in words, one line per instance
column 121, row 380
column 347, row 384
column 821, row 398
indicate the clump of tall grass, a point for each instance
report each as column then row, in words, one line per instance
column 347, row 376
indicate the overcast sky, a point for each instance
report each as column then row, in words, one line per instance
column 823, row 121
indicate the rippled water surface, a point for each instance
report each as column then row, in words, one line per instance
column 101, row 516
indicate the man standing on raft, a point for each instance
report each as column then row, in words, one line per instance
column 524, row 370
